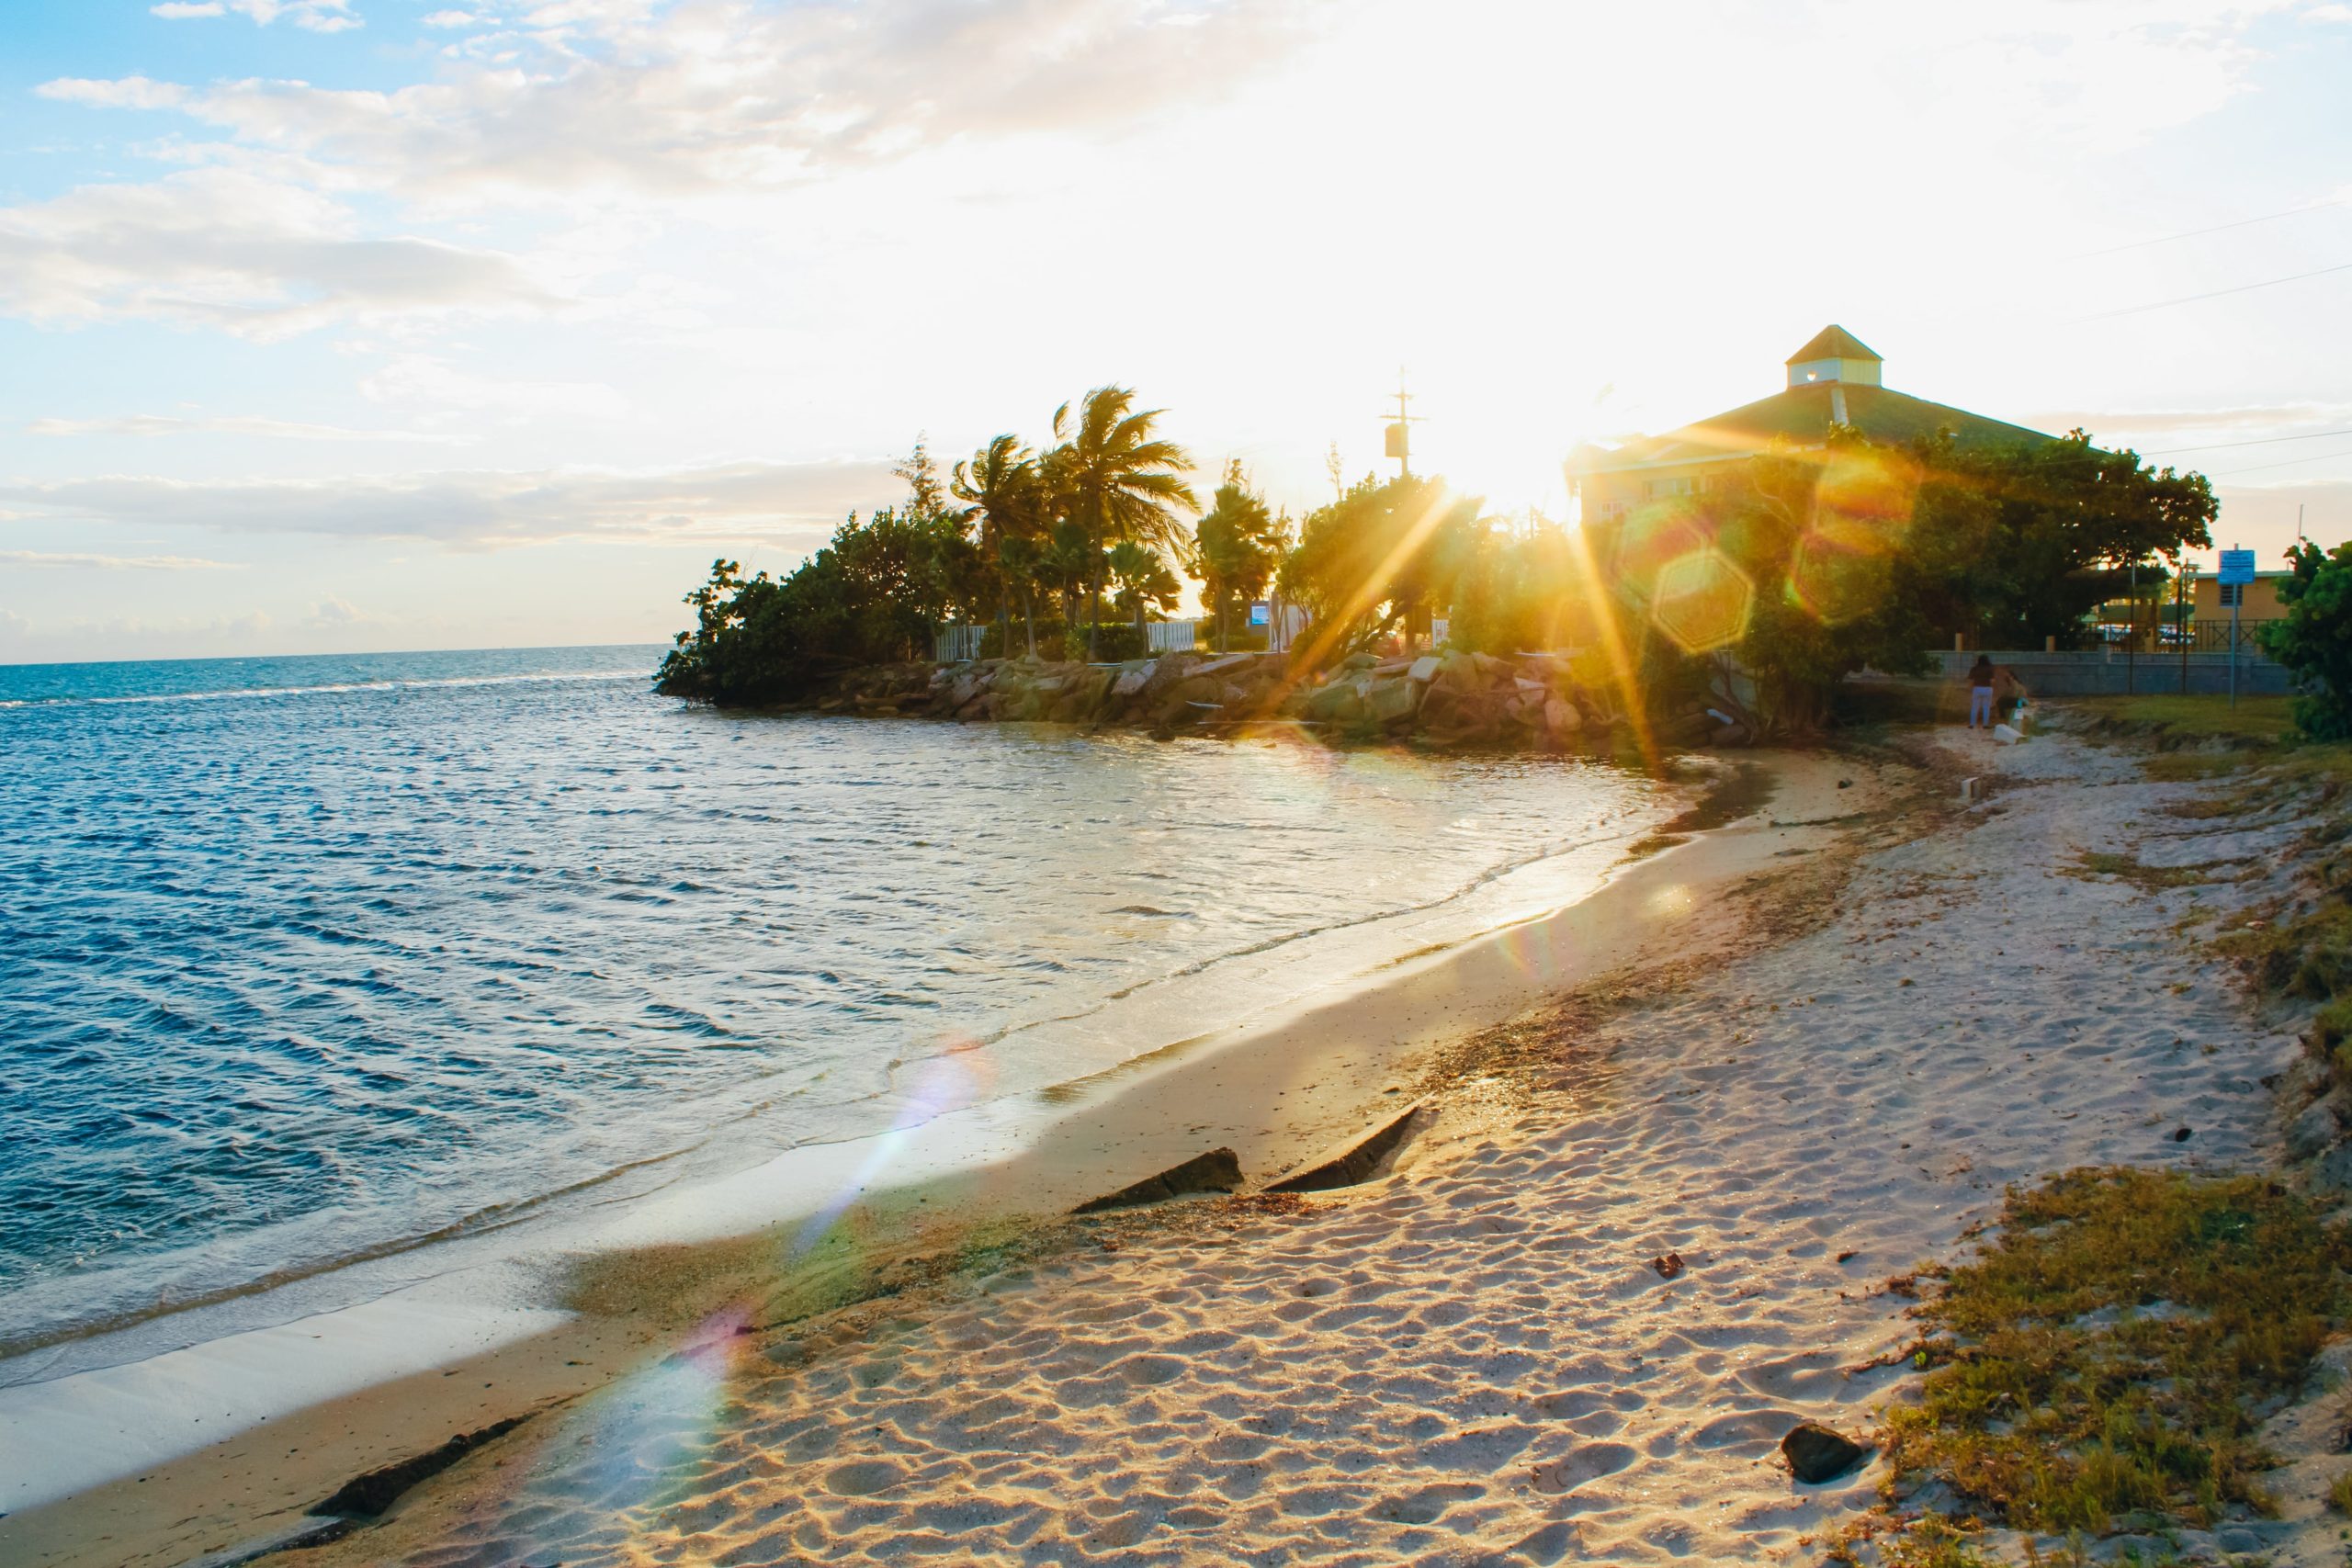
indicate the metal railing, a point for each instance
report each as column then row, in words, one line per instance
column 2197, row 637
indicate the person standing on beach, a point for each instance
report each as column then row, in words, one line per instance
column 1981, row 677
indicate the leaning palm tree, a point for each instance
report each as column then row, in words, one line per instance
column 1123, row 482
column 999, row 487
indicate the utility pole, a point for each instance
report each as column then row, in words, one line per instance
column 2182, row 579
column 2132, row 636
column 1400, row 429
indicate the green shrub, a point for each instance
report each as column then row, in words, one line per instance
column 2315, row 639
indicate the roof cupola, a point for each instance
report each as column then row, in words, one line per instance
column 1835, row 354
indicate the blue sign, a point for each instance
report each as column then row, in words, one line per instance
column 2237, row 567
column 1260, row 612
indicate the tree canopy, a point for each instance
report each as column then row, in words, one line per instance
column 1379, row 553
column 1236, row 545
column 1799, row 567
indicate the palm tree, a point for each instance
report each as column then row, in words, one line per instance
column 1144, row 581
column 999, row 485
column 1122, row 482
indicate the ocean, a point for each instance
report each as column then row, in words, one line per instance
column 309, row 960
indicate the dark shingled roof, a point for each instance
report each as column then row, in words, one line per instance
column 1833, row 343
column 1801, row 415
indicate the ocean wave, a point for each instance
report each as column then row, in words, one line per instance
column 242, row 693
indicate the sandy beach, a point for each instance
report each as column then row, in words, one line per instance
column 1676, row 1142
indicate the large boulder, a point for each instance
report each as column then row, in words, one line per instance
column 1134, row 678
column 1392, row 702
column 1338, row 702
column 1226, row 664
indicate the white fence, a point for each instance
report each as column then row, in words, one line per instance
column 1170, row 637
column 957, row 643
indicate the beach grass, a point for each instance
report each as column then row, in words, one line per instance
column 2106, row 1360
column 2186, row 720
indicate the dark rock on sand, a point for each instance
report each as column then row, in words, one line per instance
column 1354, row 1162
column 1219, row 1171
column 1817, row 1454
column 375, row 1490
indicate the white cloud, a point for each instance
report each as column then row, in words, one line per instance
column 230, row 249
column 123, row 93
column 332, row 613
column 796, row 502
column 420, row 382
column 671, row 100
column 317, row 15
column 147, row 425
column 451, row 19
column 109, row 563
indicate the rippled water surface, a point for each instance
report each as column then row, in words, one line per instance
column 303, row 960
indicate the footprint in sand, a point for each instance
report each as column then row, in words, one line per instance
column 1808, row 1376
column 1425, row 1506
column 1587, row 1463
column 862, row 1478
column 1758, row 1428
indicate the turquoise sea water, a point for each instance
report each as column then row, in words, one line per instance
column 308, row 959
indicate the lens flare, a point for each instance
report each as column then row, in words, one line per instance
column 1652, row 539
column 960, row 1075
column 1861, row 510
column 1702, row 601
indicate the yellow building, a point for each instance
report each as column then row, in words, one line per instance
column 2212, row 599
column 1833, row 380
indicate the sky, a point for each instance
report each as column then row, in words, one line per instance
column 331, row 325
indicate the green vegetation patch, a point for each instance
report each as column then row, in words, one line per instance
column 2145, row 877
column 2190, row 767
column 2179, row 721
column 2105, row 1363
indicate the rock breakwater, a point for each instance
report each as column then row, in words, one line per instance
column 1446, row 699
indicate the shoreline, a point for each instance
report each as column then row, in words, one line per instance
column 1660, row 1220
column 1308, row 1082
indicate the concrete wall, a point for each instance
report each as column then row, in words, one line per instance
column 2104, row 672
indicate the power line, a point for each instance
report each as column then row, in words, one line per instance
column 2258, row 441
column 2212, row 294
column 2262, row 467
column 2216, row 229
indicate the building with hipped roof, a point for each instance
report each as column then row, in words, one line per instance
column 1835, row 380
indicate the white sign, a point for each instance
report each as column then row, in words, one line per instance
column 1261, row 613
column 2237, row 565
